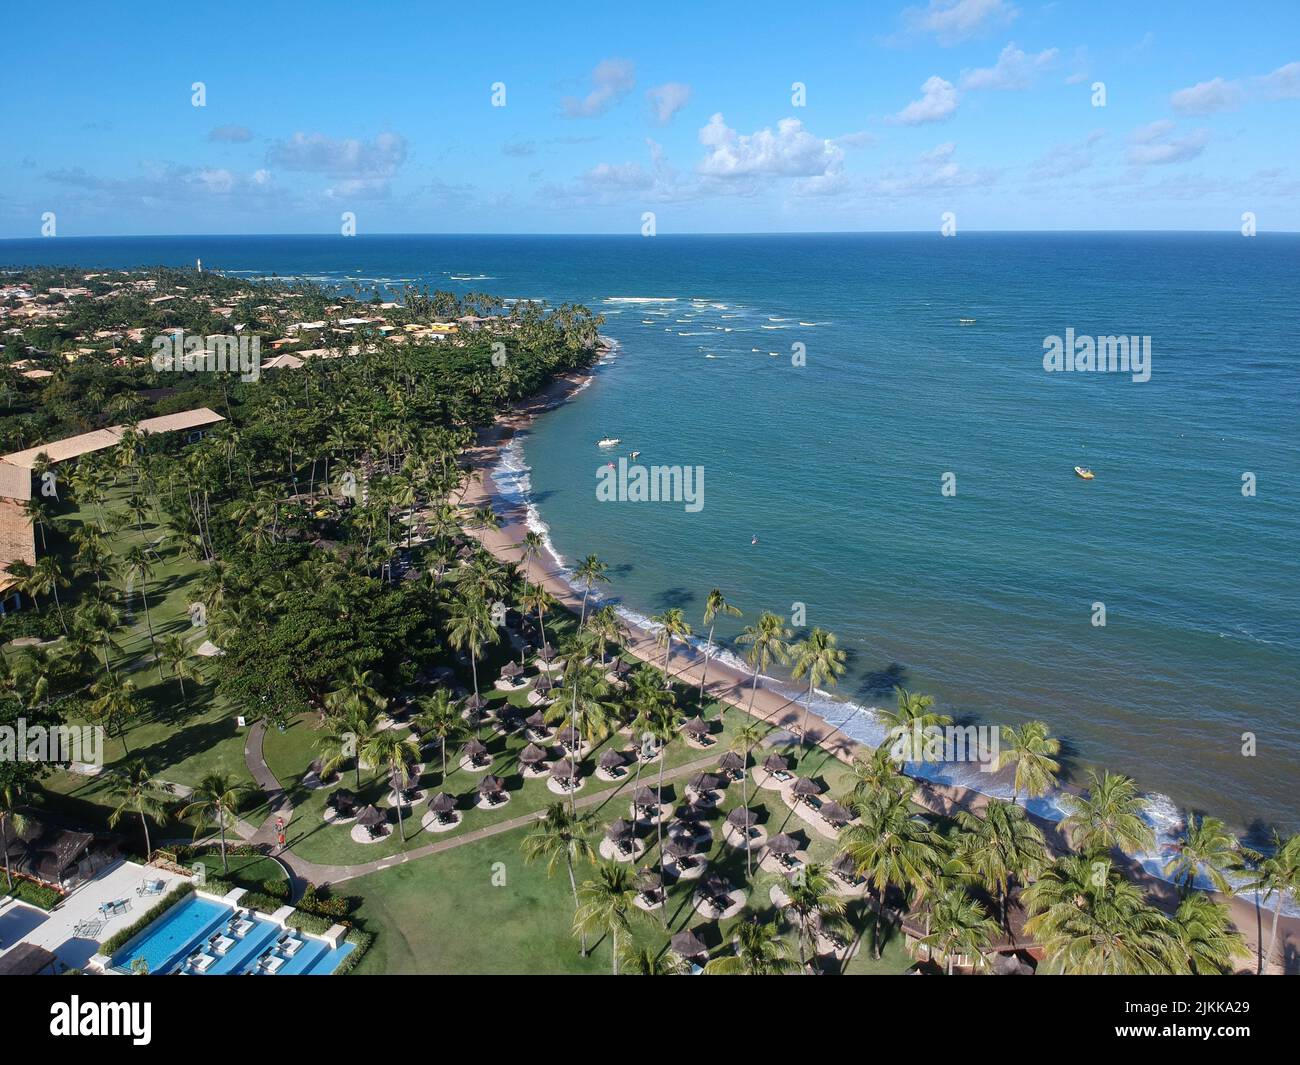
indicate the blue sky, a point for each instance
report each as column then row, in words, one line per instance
column 984, row 108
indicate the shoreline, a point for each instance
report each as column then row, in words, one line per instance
column 730, row 685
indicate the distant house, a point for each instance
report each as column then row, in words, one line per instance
column 60, row 857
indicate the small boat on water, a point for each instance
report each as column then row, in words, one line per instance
column 634, row 456
column 1084, row 472
column 966, row 321
column 609, row 441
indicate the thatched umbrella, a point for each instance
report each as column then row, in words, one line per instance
column 531, row 755
column 731, row 762
column 648, row 880
column 806, row 788
column 620, row 831
column 611, row 759
column 536, row 720
column 844, row 866
column 696, row 726
column 678, row 848
column 563, row 769
column 703, row 782
column 491, row 785
column 647, row 798
column 693, row 812
column 687, row 945
column 475, row 702
column 476, row 750
column 569, row 737
column 783, row 844
column 835, row 814
column 442, row 804
column 510, row 670
column 741, row 818
column 371, row 817
column 546, row 652
column 776, row 763
column 544, row 684
column 343, row 801
column 714, row 883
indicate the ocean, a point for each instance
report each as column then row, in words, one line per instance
column 909, row 479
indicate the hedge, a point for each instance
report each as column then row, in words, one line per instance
column 255, row 900
column 119, row 939
column 361, row 941
column 36, row 894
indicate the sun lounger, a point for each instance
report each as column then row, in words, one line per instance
column 223, row 944
column 241, row 927
column 290, row 947
column 271, row 963
column 203, row 961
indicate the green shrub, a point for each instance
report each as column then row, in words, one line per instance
column 309, row 922
column 255, row 900
column 37, row 894
column 119, row 939
column 277, row 889
column 361, row 941
column 321, row 903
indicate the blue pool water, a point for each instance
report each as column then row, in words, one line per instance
column 168, row 942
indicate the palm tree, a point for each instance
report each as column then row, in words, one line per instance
column 890, row 845
column 875, row 772
column 1108, row 815
column 346, row 735
column 818, row 658
column 177, row 657
column 397, row 753
column 139, row 567
column 589, row 572
column 672, row 625
column 1091, row 920
column 958, row 928
column 539, row 601
column 558, row 836
column 743, row 740
column 216, row 799
column 813, row 907
column 758, row 951
column 357, row 692
column 113, row 705
column 715, row 605
column 605, row 904
column 1001, row 846
column 10, row 795
column 606, row 626
column 1205, row 933
column 1033, row 752
column 441, row 718
column 470, row 629
column 1207, row 847
column 530, row 550
column 642, row 961
column 914, row 712
column 138, row 792
column 1277, row 874
column 768, row 643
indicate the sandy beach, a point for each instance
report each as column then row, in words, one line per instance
column 734, row 686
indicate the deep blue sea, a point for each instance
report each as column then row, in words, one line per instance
column 984, row 598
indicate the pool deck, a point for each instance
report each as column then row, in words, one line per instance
column 55, row 930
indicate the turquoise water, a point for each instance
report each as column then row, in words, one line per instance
column 984, row 598
column 169, row 941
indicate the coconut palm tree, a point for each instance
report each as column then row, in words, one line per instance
column 138, row 792
column 813, row 907
column 1109, row 814
column 470, row 629
column 890, row 846
column 177, row 657
column 768, row 642
column 1033, row 752
column 1206, row 847
column 672, row 625
column 216, row 800
column 819, row 659
column 112, row 705
column 345, row 735
column 139, row 567
column 608, row 628
column 914, row 711
column 642, row 961
column 758, row 949
column 1277, row 874
column 958, row 928
column 1209, row 942
column 715, row 606
column 605, row 904
column 398, row 754
column 874, row 772
column 440, row 717
column 1091, row 920
column 562, row 836
column 1001, row 846
column 530, row 550
column 357, row 692
column 744, row 740
column 10, row 800
column 589, row 572
column 538, row 600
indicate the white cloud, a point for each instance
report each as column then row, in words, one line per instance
column 934, row 171
column 1066, row 160
column 231, row 134
column 1152, row 145
column 317, row 153
column 953, row 21
column 1207, row 97
column 667, row 99
column 1014, row 70
column 789, row 151
column 612, row 80
column 938, row 101
column 1283, row 83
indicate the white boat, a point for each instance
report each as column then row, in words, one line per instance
column 609, row 441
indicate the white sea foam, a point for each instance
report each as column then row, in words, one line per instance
column 640, row 299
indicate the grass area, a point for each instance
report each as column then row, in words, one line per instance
column 249, row 871
column 181, row 738
column 479, row 908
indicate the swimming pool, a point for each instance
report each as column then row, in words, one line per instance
column 206, row 937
